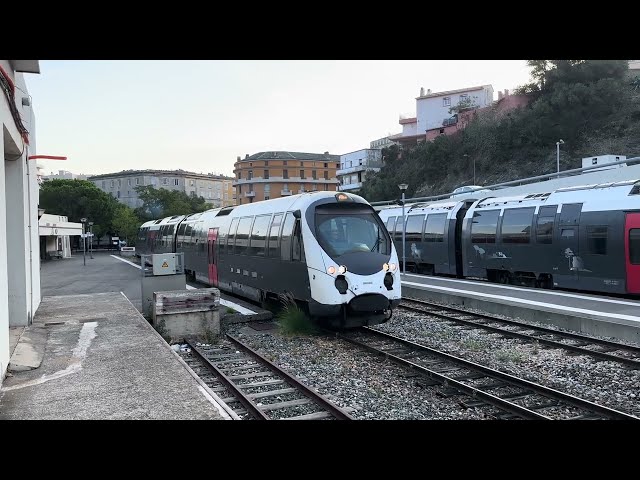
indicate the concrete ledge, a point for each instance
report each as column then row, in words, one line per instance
column 29, row 350
column 231, row 318
column 591, row 324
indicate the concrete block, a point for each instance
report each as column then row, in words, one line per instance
column 184, row 313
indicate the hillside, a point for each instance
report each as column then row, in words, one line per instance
column 593, row 105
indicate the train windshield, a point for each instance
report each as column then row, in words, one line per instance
column 341, row 230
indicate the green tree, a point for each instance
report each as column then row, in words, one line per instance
column 126, row 224
column 77, row 199
column 161, row 202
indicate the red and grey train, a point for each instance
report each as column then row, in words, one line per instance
column 329, row 250
column 580, row 238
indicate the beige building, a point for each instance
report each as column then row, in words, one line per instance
column 217, row 190
column 267, row 175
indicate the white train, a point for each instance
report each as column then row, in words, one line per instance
column 330, row 250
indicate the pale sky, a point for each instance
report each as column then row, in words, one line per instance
column 108, row 116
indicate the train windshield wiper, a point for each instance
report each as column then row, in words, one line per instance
column 375, row 245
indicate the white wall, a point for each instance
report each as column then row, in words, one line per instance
column 409, row 129
column 431, row 111
column 19, row 236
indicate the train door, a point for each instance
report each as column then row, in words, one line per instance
column 459, row 219
column 570, row 262
column 632, row 251
column 212, row 259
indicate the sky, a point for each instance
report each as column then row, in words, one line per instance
column 108, row 116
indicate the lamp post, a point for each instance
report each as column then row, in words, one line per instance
column 558, row 155
column 84, row 242
column 403, row 188
column 91, row 239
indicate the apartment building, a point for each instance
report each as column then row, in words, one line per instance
column 267, row 175
column 217, row 190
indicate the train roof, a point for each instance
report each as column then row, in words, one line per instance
column 300, row 201
column 594, row 197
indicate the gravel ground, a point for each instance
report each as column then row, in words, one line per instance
column 376, row 389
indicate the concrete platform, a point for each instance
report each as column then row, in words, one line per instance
column 594, row 314
column 102, row 360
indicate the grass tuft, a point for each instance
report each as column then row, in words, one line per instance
column 291, row 319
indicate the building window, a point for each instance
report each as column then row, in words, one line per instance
column 119, row 183
column 326, row 186
column 191, row 182
column 284, row 162
column 266, row 197
column 285, row 173
column 129, row 182
column 128, row 193
column 250, row 175
column 239, row 175
column 165, row 181
column 302, row 174
column 442, row 131
column 464, row 97
column 266, row 163
column 112, row 183
column 266, row 174
column 118, row 193
column 250, row 164
column 326, row 175
column 302, row 164
column 137, row 181
column 337, row 165
column 103, row 184
column 286, row 187
column 326, row 165
column 176, row 181
column 446, row 102
column 360, row 162
column 314, row 174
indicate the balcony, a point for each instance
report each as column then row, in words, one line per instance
column 250, row 194
column 285, row 193
column 360, row 168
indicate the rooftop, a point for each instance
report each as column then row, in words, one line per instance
column 453, row 92
column 175, row 173
column 281, row 155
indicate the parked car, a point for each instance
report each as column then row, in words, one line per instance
column 469, row 189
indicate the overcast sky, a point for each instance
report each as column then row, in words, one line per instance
column 108, row 116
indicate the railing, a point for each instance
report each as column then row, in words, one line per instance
column 522, row 181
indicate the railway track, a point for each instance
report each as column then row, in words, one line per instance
column 575, row 343
column 255, row 388
column 483, row 387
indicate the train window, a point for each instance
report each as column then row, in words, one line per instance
column 287, row 231
column 434, row 228
column 398, row 234
column 242, row 236
column 297, row 250
column 570, row 214
column 597, row 240
column 544, row 228
column 342, row 229
column 567, row 233
column 274, row 235
column 259, row 235
column 231, row 238
column 414, row 228
column 516, row 225
column 634, row 246
column 391, row 222
column 484, row 226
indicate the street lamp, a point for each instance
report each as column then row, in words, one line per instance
column 558, row 155
column 84, row 242
column 403, row 187
column 91, row 239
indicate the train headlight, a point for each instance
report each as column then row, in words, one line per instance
column 331, row 270
column 342, row 269
column 385, row 267
column 392, row 267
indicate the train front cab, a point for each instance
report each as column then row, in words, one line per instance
column 353, row 266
